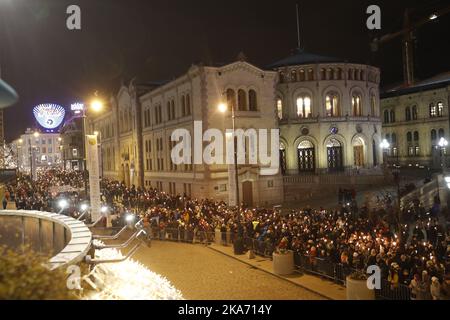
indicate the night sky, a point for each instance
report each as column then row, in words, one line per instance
column 160, row 39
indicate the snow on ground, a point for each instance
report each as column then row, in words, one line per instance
column 130, row 280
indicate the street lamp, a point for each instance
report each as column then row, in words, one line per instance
column 36, row 135
column 96, row 105
column 385, row 146
column 222, row 107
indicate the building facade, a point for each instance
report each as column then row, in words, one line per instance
column 138, row 149
column 414, row 120
column 328, row 115
column 72, row 144
column 38, row 151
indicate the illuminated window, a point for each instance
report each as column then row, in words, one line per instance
column 356, row 105
column 440, row 109
column 433, row 110
column 332, row 105
column 280, row 109
column 304, row 106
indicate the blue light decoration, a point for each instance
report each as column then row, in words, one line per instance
column 49, row 116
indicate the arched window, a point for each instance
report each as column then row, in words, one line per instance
column 188, row 104
column 408, row 114
column 433, row 110
column 304, row 106
column 310, row 74
column 301, row 75
column 332, row 105
column 440, row 109
column 282, row 76
column 294, row 75
column 393, row 138
column 282, row 158
column 231, row 99
column 433, row 135
column 334, row 155
column 388, row 137
column 441, row 133
column 356, row 105
column 183, row 105
column 392, row 116
column 242, row 100
column 323, row 75
column 373, row 105
column 279, row 108
column 330, row 74
column 306, row 156
column 253, row 104
column 416, row 136
column 350, row 74
column 414, row 112
column 386, row 116
column 408, row 136
column 338, row 74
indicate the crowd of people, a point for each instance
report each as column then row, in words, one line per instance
column 411, row 249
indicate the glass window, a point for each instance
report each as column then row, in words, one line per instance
column 433, row 135
column 409, row 137
column 279, row 109
column 253, row 103
column 414, row 112
column 356, row 105
column 433, row 110
column 242, row 100
column 440, row 109
column 408, row 114
column 332, row 105
column 304, row 107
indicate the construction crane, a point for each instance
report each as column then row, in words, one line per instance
column 407, row 34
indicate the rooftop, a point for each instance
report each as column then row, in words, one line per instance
column 300, row 57
column 438, row 81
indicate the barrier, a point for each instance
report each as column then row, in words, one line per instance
column 322, row 267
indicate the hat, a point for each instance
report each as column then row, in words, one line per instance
column 7, row 95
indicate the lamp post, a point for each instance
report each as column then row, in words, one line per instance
column 96, row 106
column 36, row 135
column 99, row 142
column 443, row 145
column 223, row 108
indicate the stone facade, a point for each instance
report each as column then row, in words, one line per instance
column 328, row 115
column 414, row 120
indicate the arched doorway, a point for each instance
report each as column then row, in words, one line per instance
column 334, row 155
column 247, row 193
column 306, row 156
column 358, row 152
column 282, row 158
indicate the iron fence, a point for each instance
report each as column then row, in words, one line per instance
column 322, row 267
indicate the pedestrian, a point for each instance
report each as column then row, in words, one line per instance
column 5, row 203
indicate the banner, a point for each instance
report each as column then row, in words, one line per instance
column 94, row 175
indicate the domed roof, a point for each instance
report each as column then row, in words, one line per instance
column 302, row 57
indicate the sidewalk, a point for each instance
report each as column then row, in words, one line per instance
column 325, row 288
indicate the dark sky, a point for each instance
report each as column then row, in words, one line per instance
column 160, row 39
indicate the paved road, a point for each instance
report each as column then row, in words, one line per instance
column 201, row 273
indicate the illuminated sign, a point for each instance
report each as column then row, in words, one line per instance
column 49, row 116
column 77, row 107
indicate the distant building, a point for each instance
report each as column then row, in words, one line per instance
column 415, row 119
column 72, row 144
column 38, row 151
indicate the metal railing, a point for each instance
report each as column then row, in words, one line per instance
column 322, row 267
